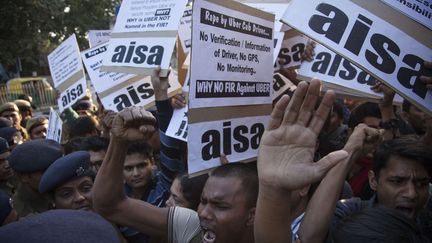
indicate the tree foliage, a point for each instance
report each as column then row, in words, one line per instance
column 30, row 29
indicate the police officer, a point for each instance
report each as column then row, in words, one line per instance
column 69, row 181
column 6, row 172
column 10, row 111
column 29, row 161
column 37, row 127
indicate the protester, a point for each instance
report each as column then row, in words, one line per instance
column 186, row 192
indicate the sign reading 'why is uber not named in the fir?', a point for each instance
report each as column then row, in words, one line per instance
column 144, row 36
column 67, row 73
column 379, row 39
column 120, row 90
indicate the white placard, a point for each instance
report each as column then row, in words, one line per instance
column 333, row 69
column 55, row 126
column 67, row 72
column 92, row 59
column 277, row 9
column 149, row 15
column 278, row 39
column 237, row 138
column 185, row 29
column 419, row 10
column 290, row 52
column 232, row 56
column 65, row 61
column 178, row 127
column 97, row 37
column 119, row 90
column 144, row 36
column 377, row 46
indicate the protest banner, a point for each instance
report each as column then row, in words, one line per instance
column 185, row 30
column 55, row 126
column 119, row 90
column 380, row 40
column 67, row 73
column 289, row 55
column 275, row 8
column 237, row 138
column 233, row 57
column 418, row 10
column 144, row 36
column 340, row 75
column 97, row 37
column 278, row 39
column 230, row 82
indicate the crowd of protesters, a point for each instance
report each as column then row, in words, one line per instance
column 326, row 172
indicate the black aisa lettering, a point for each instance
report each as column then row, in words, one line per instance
column 137, row 54
column 133, row 97
column 383, row 61
column 410, row 78
column 278, row 82
column 332, row 28
column 322, row 62
column 212, row 139
column 72, row 94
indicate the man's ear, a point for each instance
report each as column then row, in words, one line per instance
column 373, row 180
column 251, row 217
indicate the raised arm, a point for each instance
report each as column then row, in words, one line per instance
column 321, row 206
column 109, row 199
column 285, row 159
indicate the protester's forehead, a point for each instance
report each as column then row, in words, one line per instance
column 223, row 188
column 135, row 159
column 401, row 166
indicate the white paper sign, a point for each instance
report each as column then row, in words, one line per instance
column 178, row 127
column 185, row 29
column 333, row 69
column 278, row 39
column 97, row 37
column 379, row 47
column 232, row 56
column 238, row 139
column 119, row 90
column 290, row 52
column 55, row 126
column 274, row 8
column 419, row 10
column 67, row 72
column 144, row 36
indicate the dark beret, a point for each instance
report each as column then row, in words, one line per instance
column 65, row 169
column 8, row 132
column 4, row 146
column 6, row 206
column 35, row 155
column 60, row 226
column 4, row 122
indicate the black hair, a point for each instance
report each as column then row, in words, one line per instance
column 377, row 225
column 409, row 147
column 95, row 143
column 247, row 173
column 83, row 126
column 142, row 148
column 362, row 111
column 191, row 188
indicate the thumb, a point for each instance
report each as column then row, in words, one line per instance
column 328, row 162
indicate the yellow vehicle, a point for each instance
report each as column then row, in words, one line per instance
column 38, row 88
